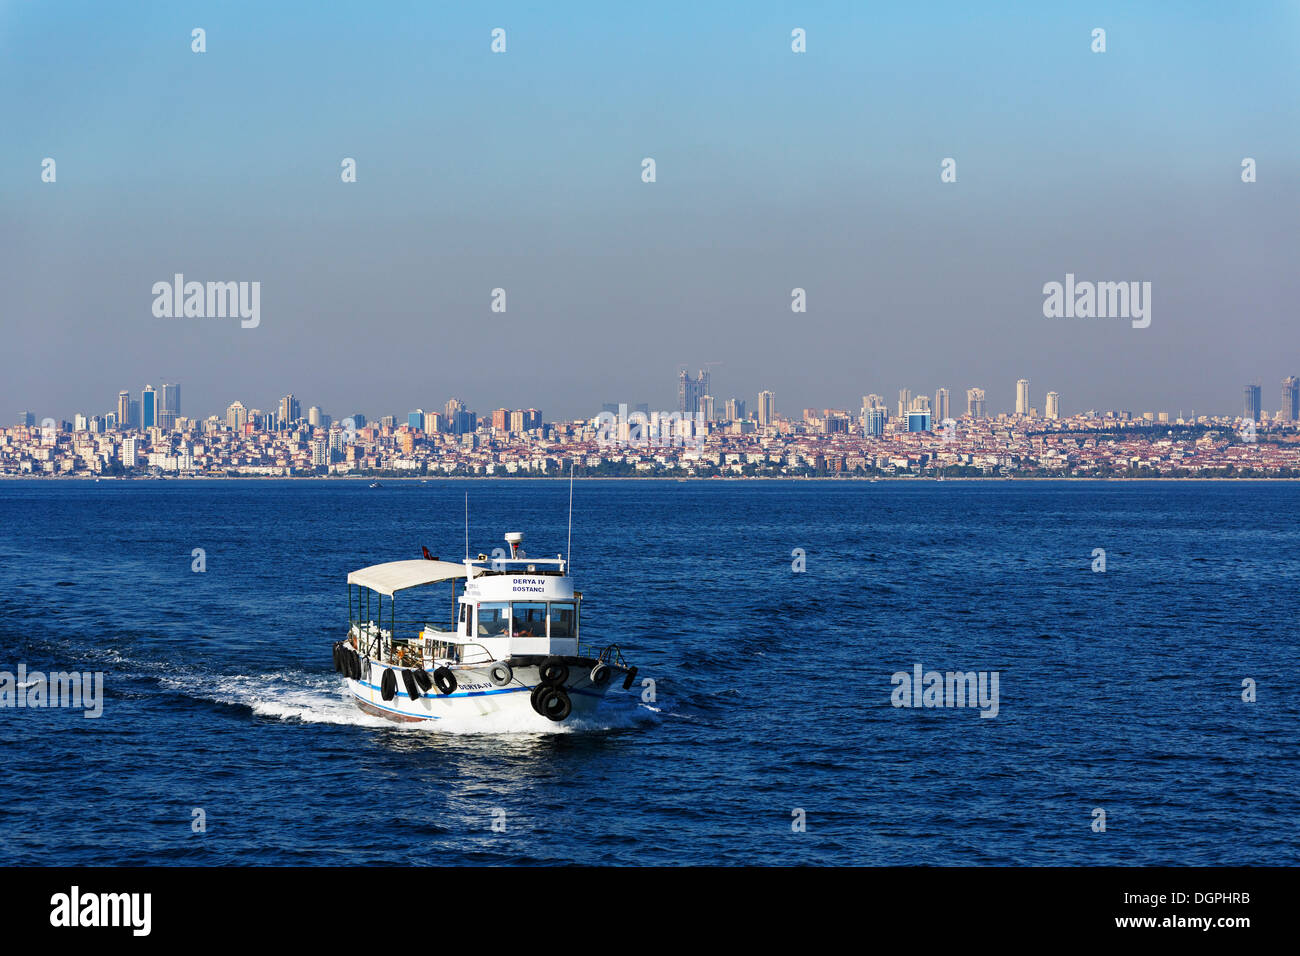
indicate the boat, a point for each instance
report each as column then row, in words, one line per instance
column 375, row 484
column 513, row 646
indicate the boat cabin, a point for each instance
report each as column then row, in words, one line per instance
column 499, row 608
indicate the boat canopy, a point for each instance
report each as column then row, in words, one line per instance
column 399, row 575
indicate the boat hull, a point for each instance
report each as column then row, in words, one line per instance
column 475, row 696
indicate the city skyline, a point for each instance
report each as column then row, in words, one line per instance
column 167, row 407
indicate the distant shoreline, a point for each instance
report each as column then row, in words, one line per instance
column 914, row 479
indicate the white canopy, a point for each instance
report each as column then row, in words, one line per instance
column 400, row 575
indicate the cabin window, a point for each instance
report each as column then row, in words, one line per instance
column 529, row 620
column 564, row 619
column 492, row 619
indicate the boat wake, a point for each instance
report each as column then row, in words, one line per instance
column 301, row 697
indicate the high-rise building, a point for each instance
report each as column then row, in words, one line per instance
column 975, row 402
column 124, row 409
column 148, row 407
column 707, row 407
column 459, row 420
column 904, row 402
column 169, row 400
column 27, row 419
column 733, row 410
column 690, row 390
column 236, row 416
column 920, row 403
column 1022, row 397
column 766, row 407
column 942, row 407
column 501, row 419
column 315, row 417
column 1053, row 409
column 1254, row 402
column 128, row 452
column 290, row 411
column 1290, row 399
column 415, row 419
column 873, row 421
column 918, row 421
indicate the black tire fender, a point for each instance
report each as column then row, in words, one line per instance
column 445, row 680
column 412, row 689
column 600, row 674
column 388, row 684
column 554, row 702
column 627, row 681
column 553, row 671
column 501, row 674
column 423, row 679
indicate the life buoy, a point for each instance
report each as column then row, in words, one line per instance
column 501, row 674
column 553, row 702
column 423, row 679
column 600, row 674
column 445, row 680
column 554, row 671
column 388, row 684
column 412, row 689
column 627, row 681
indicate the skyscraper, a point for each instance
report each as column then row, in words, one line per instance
column 1053, row 405
column 941, row 405
column 236, row 416
column 148, row 407
column 170, row 400
column 904, row 402
column 290, row 410
column 873, row 421
column 1022, row 397
column 1254, row 403
column 1290, row 399
column 766, row 408
column 690, row 390
column 460, row 421
column 124, row 410
column 27, row 419
column 975, row 402
column 707, row 407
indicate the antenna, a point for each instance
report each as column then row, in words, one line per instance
column 568, row 557
column 467, row 526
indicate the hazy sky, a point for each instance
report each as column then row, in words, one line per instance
column 522, row 171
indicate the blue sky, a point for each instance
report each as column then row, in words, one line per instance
column 522, row 171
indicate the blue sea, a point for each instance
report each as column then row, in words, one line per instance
column 769, row 735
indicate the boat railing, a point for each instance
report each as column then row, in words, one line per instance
column 609, row 654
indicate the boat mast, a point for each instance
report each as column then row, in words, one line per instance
column 568, row 547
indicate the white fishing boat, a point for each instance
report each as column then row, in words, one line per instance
column 512, row 646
